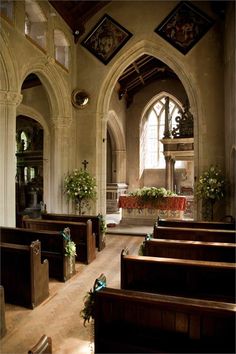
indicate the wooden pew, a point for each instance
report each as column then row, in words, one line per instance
column 24, row 278
column 187, row 233
column 52, row 248
column 81, row 234
column 96, row 224
column 184, row 249
column 3, row 328
column 134, row 322
column 197, row 224
column 179, row 277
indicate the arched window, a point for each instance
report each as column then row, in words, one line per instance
column 61, row 48
column 35, row 23
column 152, row 131
column 24, row 141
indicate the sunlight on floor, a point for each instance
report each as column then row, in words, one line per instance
column 76, row 346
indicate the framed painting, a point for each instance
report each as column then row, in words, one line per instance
column 184, row 26
column 106, row 39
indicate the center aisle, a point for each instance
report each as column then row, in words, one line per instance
column 119, row 228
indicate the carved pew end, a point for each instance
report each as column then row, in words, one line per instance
column 43, row 346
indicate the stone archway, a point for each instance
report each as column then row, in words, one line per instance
column 144, row 47
column 57, row 119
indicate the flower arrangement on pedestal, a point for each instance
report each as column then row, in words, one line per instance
column 80, row 187
column 211, row 188
column 151, row 194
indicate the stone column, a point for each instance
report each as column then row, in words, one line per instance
column 60, row 151
column 172, row 174
column 8, row 103
column 119, row 168
column 168, row 172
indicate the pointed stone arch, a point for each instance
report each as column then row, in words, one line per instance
column 58, row 92
column 153, row 49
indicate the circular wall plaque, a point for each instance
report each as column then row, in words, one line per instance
column 80, row 98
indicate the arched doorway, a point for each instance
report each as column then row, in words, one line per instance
column 29, row 168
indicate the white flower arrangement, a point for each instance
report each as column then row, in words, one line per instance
column 70, row 247
column 211, row 184
column 151, row 194
column 80, row 186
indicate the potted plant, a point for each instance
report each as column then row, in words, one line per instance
column 210, row 188
column 80, row 187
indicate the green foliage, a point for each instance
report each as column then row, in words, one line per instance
column 142, row 248
column 141, row 251
column 70, row 247
column 211, row 184
column 88, row 310
column 103, row 226
column 80, row 186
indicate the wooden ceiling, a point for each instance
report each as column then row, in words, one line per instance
column 76, row 13
column 142, row 72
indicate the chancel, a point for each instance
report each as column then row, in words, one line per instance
column 138, row 141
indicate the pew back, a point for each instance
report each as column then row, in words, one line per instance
column 134, row 322
column 96, row 224
column 181, row 233
column 52, row 248
column 180, row 277
column 81, row 234
column 184, row 249
column 29, row 285
column 197, row 224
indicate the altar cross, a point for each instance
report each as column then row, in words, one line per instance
column 85, row 162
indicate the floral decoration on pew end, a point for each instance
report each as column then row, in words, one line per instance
column 88, row 311
column 142, row 248
column 70, row 247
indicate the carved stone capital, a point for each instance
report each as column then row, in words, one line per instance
column 10, row 98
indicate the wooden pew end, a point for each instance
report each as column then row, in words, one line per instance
column 43, row 346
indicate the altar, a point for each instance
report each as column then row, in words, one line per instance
column 134, row 213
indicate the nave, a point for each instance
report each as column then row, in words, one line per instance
column 59, row 315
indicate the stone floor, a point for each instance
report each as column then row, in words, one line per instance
column 59, row 316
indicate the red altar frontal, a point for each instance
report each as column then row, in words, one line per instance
column 146, row 214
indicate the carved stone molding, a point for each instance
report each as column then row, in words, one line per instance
column 10, row 98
